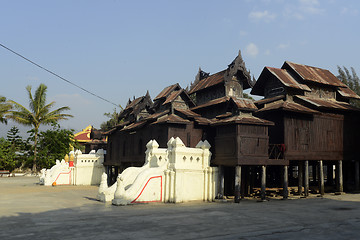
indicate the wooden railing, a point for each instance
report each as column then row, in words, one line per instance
column 276, row 151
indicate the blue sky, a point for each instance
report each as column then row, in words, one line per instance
column 120, row 49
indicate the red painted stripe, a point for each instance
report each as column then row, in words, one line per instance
column 145, row 187
column 64, row 173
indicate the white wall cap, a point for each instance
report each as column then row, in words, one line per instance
column 178, row 143
column 78, row 152
column 152, row 144
column 170, row 142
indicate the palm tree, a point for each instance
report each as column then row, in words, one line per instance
column 4, row 109
column 38, row 114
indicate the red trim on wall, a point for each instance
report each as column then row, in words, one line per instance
column 134, row 201
column 64, row 173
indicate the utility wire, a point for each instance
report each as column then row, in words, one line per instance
column 56, row 75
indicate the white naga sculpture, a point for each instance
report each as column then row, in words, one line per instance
column 175, row 174
column 78, row 169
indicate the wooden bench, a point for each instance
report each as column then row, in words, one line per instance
column 6, row 172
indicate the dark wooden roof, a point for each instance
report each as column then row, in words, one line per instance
column 135, row 125
column 322, row 103
column 243, row 119
column 314, row 74
column 267, row 100
column 188, row 113
column 203, row 121
column 157, row 115
column 135, row 106
column 244, row 104
column 168, row 90
column 241, row 103
column 235, row 68
column 287, row 106
column 347, row 93
column 282, row 75
column 210, row 81
column 171, row 118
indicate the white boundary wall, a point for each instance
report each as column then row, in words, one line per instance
column 173, row 174
column 87, row 170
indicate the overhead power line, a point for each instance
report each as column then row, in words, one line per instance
column 58, row 76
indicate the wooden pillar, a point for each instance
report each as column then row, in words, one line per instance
column 237, row 183
column 357, row 175
column 321, row 178
column 221, row 182
column 300, row 177
column 263, row 182
column 306, row 178
column 285, row 183
column 340, row 186
column 247, row 184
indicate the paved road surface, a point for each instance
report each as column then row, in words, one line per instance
column 31, row 211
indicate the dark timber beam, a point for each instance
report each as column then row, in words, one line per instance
column 263, row 183
column 340, row 185
column 286, row 183
column 321, row 178
column 306, row 178
column 237, row 184
column 300, row 177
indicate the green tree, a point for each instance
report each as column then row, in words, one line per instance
column 14, row 138
column 112, row 122
column 7, row 155
column 38, row 114
column 351, row 79
column 4, row 109
column 54, row 144
column 18, row 149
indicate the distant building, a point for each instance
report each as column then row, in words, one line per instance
column 91, row 139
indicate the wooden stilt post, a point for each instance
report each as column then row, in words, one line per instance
column 286, row 183
column 321, row 178
column 340, row 187
column 306, row 178
column 237, row 183
column 263, row 183
column 300, row 177
column 221, row 182
column 247, row 184
column 357, row 175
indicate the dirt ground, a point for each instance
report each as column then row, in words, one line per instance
column 28, row 210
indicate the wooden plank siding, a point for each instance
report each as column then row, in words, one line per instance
column 313, row 138
column 242, row 144
column 127, row 148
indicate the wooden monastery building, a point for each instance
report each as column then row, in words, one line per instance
column 300, row 122
column 314, row 122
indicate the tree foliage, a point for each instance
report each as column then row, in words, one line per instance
column 7, row 155
column 13, row 150
column 112, row 122
column 351, row 79
column 39, row 113
column 5, row 107
column 54, row 144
